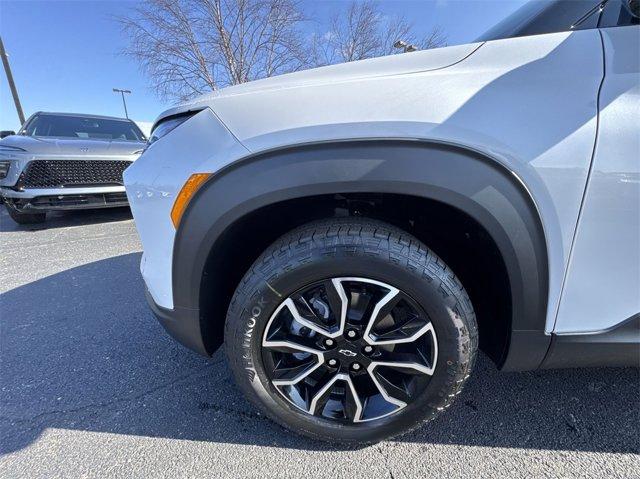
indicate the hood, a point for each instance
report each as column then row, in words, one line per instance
column 401, row 64
column 72, row 146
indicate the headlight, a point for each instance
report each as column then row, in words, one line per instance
column 11, row 149
column 165, row 126
column 4, row 168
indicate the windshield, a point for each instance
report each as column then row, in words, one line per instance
column 545, row 16
column 66, row 126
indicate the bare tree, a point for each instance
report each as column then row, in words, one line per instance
column 189, row 47
column 364, row 32
column 434, row 39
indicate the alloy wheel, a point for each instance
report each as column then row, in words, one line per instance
column 349, row 349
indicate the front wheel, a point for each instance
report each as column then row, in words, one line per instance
column 350, row 330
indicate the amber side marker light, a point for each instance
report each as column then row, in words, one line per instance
column 189, row 188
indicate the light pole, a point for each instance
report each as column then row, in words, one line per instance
column 122, row 92
column 12, row 85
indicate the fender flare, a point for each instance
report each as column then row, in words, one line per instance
column 468, row 180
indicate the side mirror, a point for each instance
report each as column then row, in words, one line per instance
column 5, row 133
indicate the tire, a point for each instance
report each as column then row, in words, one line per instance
column 25, row 218
column 359, row 254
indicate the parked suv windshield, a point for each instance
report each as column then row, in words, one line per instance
column 69, row 126
column 546, row 16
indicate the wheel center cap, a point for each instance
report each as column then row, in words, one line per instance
column 349, row 351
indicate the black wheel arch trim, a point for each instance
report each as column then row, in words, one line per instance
column 470, row 181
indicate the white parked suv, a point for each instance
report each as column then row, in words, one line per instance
column 355, row 233
column 66, row 161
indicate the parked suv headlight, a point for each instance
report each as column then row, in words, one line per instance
column 4, row 168
column 11, row 149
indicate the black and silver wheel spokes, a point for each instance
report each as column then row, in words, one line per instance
column 349, row 349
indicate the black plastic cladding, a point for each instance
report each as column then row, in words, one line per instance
column 464, row 179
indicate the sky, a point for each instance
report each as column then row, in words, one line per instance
column 66, row 55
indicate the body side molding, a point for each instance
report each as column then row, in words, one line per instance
column 617, row 346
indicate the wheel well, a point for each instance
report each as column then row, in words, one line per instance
column 458, row 239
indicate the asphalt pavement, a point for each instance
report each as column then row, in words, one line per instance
column 91, row 386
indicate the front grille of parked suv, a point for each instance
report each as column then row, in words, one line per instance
column 73, row 173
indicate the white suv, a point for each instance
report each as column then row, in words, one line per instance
column 66, row 161
column 355, row 233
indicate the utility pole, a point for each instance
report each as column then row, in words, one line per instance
column 12, row 85
column 122, row 92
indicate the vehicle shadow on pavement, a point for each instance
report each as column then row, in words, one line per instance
column 80, row 350
column 64, row 219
